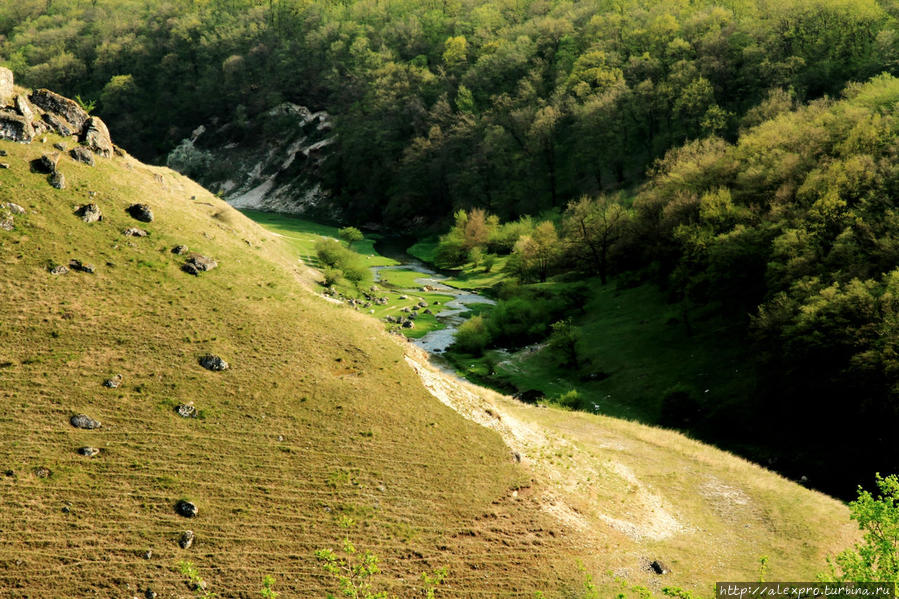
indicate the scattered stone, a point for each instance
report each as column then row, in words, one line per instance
column 7, row 86
column 14, row 127
column 197, row 264
column 84, row 421
column 141, row 212
column 427, row 311
column 82, row 154
column 4, row 165
column 658, row 567
column 149, row 594
column 186, row 410
column 88, row 451
column 60, row 146
column 9, row 473
column 422, row 304
column 23, row 108
column 42, row 472
column 408, row 325
column 403, row 297
column 115, row 382
column 7, row 224
column 213, row 362
column 96, row 137
column 4, row 153
column 89, row 213
column 59, row 270
column 148, row 554
column 14, row 208
column 46, row 163
column 187, row 539
column 81, row 267
column 64, row 107
column 179, row 250
column 134, row 232
column 58, row 124
column 416, row 307
column 66, row 509
column 58, row 180
column 186, row 508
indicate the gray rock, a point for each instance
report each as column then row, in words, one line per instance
column 96, row 137
column 82, row 154
column 186, row 410
column 14, row 208
column 47, row 163
column 141, row 212
column 7, row 88
column 84, row 421
column 115, row 382
column 422, row 304
column 65, row 108
column 88, row 451
column 187, row 539
column 14, row 127
column 7, row 224
column 148, row 554
column 4, row 165
column 416, row 307
column 149, row 594
column 408, row 325
column 43, row 472
column 81, row 266
column 59, row 146
column 89, row 213
column 58, row 180
column 59, row 270
column 134, row 232
column 58, row 124
column 179, row 250
column 658, row 567
column 186, row 508
column 23, row 108
column 213, row 362
column 197, row 264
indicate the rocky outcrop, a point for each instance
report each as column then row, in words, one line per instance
column 82, row 154
column 84, row 421
column 6, row 86
column 67, row 110
column 15, row 127
column 197, row 264
column 275, row 167
column 141, row 212
column 96, row 137
column 24, row 108
column 186, row 508
column 213, row 362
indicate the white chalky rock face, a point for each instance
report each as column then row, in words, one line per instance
column 6, row 87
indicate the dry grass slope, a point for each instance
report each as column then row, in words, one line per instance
column 319, row 419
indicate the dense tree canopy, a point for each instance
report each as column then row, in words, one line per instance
column 512, row 106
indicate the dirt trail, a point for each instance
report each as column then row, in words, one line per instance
column 569, row 469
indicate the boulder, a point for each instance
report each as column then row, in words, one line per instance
column 6, row 86
column 187, row 539
column 186, row 508
column 115, row 382
column 179, row 250
column 47, row 163
column 88, row 452
column 658, row 567
column 57, row 180
column 82, row 154
column 14, row 208
column 24, row 108
column 197, row 264
column 422, row 304
column 213, row 362
column 408, row 325
column 59, row 270
column 84, row 421
column 141, row 212
column 186, row 410
column 96, row 137
column 81, row 266
column 7, row 223
column 4, row 165
column 64, row 107
column 134, row 232
column 149, row 594
column 89, row 213
column 58, row 124
column 59, row 146
column 42, row 472
column 14, row 127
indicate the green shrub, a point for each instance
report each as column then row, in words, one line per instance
column 570, row 399
column 332, row 275
column 472, row 336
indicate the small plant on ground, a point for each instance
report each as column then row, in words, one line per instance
column 352, row 571
column 267, row 591
column 432, row 581
column 195, row 581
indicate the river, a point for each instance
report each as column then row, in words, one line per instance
column 436, row 341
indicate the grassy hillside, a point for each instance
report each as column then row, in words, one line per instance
column 319, row 430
